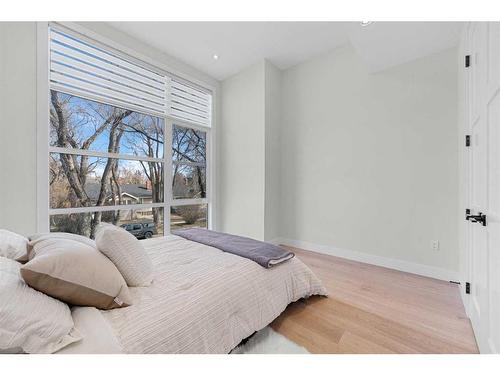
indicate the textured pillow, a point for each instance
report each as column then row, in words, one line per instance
column 33, row 239
column 75, row 273
column 30, row 321
column 12, row 245
column 126, row 252
column 63, row 235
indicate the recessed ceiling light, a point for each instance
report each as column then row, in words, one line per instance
column 216, row 57
column 366, row 23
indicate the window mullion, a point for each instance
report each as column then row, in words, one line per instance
column 79, row 210
column 167, row 170
column 100, row 154
column 189, row 163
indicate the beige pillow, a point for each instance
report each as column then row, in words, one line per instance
column 63, row 235
column 75, row 273
column 126, row 252
column 34, row 238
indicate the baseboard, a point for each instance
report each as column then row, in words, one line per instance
column 465, row 299
column 396, row 264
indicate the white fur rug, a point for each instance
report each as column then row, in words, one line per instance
column 267, row 341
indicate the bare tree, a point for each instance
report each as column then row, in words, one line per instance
column 189, row 145
column 76, row 168
column 146, row 138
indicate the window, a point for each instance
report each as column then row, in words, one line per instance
column 106, row 156
column 126, row 142
column 189, row 165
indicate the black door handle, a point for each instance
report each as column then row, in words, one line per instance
column 480, row 218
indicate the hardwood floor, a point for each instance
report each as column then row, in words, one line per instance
column 372, row 309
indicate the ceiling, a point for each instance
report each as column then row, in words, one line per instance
column 241, row 44
column 386, row 44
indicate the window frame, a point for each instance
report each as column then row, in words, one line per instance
column 44, row 211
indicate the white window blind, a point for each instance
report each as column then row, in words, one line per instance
column 80, row 67
column 84, row 68
column 190, row 103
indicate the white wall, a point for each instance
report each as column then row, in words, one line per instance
column 241, row 170
column 17, row 126
column 273, row 157
column 369, row 162
column 248, row 171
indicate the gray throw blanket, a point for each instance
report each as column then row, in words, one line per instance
column 263, row 253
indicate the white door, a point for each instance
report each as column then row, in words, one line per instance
column 483, row 176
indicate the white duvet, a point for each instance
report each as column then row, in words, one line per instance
column 203, row 300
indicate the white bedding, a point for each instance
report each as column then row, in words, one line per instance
column 98, row 336
column 203, row 300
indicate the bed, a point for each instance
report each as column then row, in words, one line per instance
column 202, row 300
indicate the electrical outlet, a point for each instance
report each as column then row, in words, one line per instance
column 435, row 245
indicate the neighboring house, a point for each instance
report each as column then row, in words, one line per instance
column 185, row 187
column 181, row 186
column 130, row 194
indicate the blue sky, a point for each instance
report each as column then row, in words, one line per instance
column 87, row 115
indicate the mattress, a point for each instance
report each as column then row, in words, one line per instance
column 203, row 300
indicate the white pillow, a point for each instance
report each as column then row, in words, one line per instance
column 12, row 245
column 126, row 252
column 30, row 320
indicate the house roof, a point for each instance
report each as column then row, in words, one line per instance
column 135, row 190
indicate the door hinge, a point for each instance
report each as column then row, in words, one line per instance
column 467, row 288
column 467, row 141
column 467, row 61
